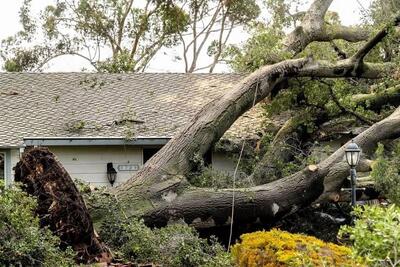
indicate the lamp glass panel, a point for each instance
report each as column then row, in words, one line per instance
column 355, row 157
column 348, row 157
column 111, row 177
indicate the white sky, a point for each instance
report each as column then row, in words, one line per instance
column 348, row 10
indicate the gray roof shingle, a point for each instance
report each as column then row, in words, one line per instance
column 89, row 105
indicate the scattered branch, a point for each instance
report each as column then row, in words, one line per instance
column 359, row 56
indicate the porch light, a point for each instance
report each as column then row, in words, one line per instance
column 111, row 173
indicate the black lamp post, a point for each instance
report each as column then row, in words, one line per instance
column 111, row 173
column 353, row 153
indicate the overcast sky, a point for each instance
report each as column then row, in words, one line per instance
column 348, row 10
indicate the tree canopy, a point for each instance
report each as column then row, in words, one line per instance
column 124, row 35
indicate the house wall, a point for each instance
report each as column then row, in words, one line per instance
column 89, row 163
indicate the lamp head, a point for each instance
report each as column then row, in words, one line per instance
column 111, row 173
column 353, row 154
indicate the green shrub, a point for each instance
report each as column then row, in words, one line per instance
column 386, row 173
column 22, row 241
column 375, row 235
column 174, row 245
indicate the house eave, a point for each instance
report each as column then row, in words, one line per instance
column 94, row 141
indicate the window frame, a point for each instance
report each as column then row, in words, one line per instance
column 7, row 165
column 4, row 164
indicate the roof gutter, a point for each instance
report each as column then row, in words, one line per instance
column 95, row 141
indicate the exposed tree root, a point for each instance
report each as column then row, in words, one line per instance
column 60, row 205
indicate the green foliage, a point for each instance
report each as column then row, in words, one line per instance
column 121, row 63
column 117, row 35
column 23, row 242
column 211, row 178
column 83, row 187
column 174, row 245
column 381, row 11
column 279, row 10
column 386, row 172
column 375, row 235
column 242, row 11
column 263, row 48
column 133, row 33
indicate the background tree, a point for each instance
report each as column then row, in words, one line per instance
column 123, row 35
column 210, row 19
column 112, row 35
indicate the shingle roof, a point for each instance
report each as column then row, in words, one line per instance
column 98, row 105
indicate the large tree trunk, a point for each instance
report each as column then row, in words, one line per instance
column 271, row 201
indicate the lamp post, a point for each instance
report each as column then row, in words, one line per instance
column 353, row 153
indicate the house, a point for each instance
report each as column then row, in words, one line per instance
column 91, row 121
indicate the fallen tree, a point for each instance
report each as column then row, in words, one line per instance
column 160, row 192
column 161, row 183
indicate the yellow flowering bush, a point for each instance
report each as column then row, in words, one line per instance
column 279, row 248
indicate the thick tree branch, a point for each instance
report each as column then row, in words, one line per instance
column 346, row 68
column 376, row 101
column 350, row 34
column 314, row 28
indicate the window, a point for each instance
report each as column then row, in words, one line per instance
column 2, row 166
column 148, row 153
column 207, row 158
